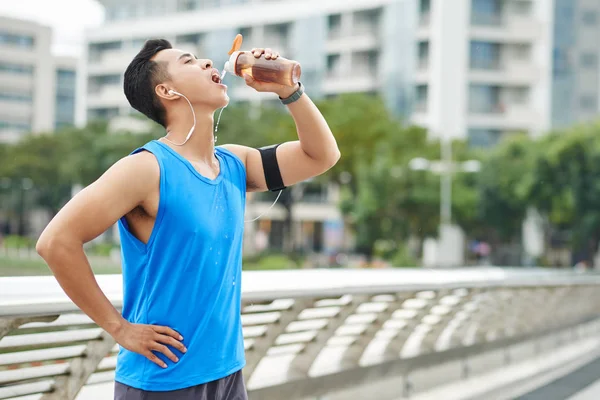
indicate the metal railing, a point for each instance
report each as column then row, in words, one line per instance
column 307, row 333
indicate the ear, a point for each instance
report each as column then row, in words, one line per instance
column 163, row 92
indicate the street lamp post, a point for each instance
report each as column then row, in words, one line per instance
column 445, row 168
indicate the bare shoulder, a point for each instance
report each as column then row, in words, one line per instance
column 137, row 169
column 238, row 150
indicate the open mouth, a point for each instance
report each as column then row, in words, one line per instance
column 216, row 78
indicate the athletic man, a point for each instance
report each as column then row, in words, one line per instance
column 179, row 203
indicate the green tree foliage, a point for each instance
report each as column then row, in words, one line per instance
column 505, row 185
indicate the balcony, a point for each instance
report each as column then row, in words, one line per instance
column 422, row 74
column 16, row 110
column 361, row 37
column 423, row 30
column 110, row 61
column 506, row 29
column 505, row 117
column 354, row 82
column 505, row 73
column 20, row 82
column 107, row 96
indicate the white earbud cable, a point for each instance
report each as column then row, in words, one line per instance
column 193, row 126
column 190, row 135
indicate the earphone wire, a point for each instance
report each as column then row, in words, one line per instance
column 190, row 135
column 193, row 126
column 268, row 209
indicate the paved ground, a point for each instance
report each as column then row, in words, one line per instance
column 581, row 384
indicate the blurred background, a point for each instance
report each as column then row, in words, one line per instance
column 469, row 129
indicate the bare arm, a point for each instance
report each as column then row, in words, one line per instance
column 314, row 153
column 126, row 185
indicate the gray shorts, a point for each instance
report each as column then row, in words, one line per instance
column 229, row 388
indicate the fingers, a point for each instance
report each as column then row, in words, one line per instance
column 269, row 53
column 171, row 342
column 152, row 357
column 161, row 348
column 165, row 330
column 249, row 80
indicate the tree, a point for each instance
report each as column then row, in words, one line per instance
column 566, row 186
column 505, row 183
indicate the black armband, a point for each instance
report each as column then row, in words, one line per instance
column 271, row 168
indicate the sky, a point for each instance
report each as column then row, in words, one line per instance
column 67, row 30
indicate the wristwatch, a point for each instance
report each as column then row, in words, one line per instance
column 295, row 96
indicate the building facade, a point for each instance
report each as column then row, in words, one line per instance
column 576, row 59
column 37, row 90
column 484, row 68
column 340, row 44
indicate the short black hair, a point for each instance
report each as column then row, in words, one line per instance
column 141, row 77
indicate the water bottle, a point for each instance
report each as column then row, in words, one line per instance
column 283, row 71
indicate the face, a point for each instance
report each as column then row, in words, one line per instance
column 195, row 78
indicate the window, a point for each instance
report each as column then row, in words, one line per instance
column 334, row 22
column 421, row 98
column 333, row 64
column 517, row 95
column 423, row 54
column 102, row 113
column 16, row 68
column 14, row 40
column 522, row 8
column 588, row 102
column 18, row 126
column 484, row 137
column 485, row 55
column 590, row 17
column 484, row 99
column 25, row 97
column 486, row 12
column 589, row 60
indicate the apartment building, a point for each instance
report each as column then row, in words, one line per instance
column 37, row 90
column 575, row 57
column 342, row 44
column 484, row 68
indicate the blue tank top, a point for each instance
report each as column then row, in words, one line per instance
column 188, row 275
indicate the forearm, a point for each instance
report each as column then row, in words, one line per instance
column 73, row 272
column 314, row 134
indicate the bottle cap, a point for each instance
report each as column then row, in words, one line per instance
column 230, row 64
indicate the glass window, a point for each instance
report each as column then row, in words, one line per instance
column 25, row 97
column 16, row 68
column 589, row 102
column 589, row 60
column 422, row 97
column 333, row 64
column 590, row 17
column 21, row 41
column 484, row 137
column 19, row 126
column 485, row 55
column 484, row 99
column 486, row 12
column 334, row 22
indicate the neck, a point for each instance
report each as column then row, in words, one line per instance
column 200, row 146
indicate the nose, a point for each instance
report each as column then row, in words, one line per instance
column 207, row 64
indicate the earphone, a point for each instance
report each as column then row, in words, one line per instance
column 171, row 91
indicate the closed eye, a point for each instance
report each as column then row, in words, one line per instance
column 189, row 60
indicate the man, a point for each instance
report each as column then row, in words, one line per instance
column 179, row 203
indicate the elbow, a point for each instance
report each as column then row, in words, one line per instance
column 44, row 246
column 333, row 158
column 48, row 245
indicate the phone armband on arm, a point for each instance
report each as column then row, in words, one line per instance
column 271, row 167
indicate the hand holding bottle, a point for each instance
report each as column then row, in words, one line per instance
column 282, row 90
